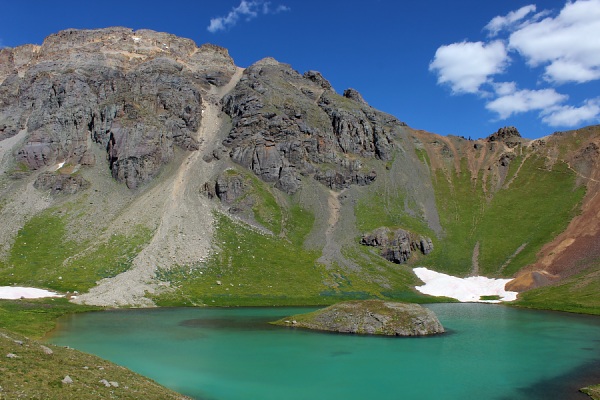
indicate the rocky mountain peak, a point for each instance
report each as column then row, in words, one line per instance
column 509, row 135
column 317, row 78
column 136, row 94
column 287, row 125
column 353, row 94
column 142, row 43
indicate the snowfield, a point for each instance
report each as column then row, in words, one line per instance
column 17, row 292
column 463, row 289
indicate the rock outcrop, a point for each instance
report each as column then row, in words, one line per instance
column 233, row 190
column 58, row 183
column 287, row 125
column 397, row 245
column 370, row 317
column 509, row 135
column 137, row 94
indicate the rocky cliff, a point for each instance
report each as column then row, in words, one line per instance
column 135, row 94
column 287, row 125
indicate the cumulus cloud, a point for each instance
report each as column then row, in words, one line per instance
column 248, row 9
column 466, row 66
column 519, row 101
column 570, row 116
column 565, row 43
column 559, row 47
column 500, row 23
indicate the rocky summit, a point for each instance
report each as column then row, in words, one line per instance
column 138, row 168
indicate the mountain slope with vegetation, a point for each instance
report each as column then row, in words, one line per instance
column 139, row 169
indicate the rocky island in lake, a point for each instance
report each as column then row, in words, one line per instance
column 370, row 317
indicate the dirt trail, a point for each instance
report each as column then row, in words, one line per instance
column 186, row 225
column 516, row 174
column 332, row 251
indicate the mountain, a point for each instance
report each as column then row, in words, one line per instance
column 140, row 169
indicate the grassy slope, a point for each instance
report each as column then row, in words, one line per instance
column 510, row 219
column 33, row 374
column 258, row 269
column 579, row 293
column 43, row 256
column 35, row 317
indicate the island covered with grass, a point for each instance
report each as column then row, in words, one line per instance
column 369, row 317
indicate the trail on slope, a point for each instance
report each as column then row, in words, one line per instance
column 186, row 226
column 332, row 250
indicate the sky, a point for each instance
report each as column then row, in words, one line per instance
column 464, row 68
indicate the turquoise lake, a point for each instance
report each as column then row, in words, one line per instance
column 489, row 352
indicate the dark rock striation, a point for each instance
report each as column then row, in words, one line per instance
column 287, row 125
column 371, row 317
column 397, row 245
column 135, row 94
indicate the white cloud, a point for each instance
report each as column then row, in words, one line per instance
column 520, row 101
column 248, row 9
column 563, row 43
column 567, row 44
column 500, row 23
column 569, row 116
column 466, row 66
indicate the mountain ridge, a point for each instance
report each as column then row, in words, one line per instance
column 201, row 169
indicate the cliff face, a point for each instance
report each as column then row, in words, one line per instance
column 135, row 94
column 286, row 125
column 302, row 172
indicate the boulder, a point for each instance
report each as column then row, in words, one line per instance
column 397, row 245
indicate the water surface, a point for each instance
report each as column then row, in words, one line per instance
column 490, row 352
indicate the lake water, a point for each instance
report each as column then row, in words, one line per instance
column 490, row 352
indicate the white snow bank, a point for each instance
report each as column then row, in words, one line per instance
column 16, row 292
column 463, row 289
column 59, row 166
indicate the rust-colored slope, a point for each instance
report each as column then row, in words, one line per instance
column 576, row 248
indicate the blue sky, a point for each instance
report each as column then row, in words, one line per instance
column 464, row 67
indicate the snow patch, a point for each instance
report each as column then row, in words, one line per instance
column 17, row 292
column 136, row 39
column 463, row 289
column 59, row 166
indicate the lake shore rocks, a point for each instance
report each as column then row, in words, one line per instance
column 369, row 317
